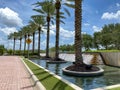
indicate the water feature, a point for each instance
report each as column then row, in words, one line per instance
column 110, row 76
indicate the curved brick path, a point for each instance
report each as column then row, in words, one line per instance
column 13, row 75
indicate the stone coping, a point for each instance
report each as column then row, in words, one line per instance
column 75, row 87
column 37, row 84
column 107, row 87
column 75, row 73
column 55, row 62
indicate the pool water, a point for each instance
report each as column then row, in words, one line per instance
column 110, row 77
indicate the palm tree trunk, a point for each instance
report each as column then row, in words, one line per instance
column 25, row 44
column 20, row 45
column 78, row 40
column 48, row 31
column 33, row 47
column 28, row 47
column 39, row 41
column 14, row 47
column 58, row 5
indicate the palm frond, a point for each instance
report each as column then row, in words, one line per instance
column 66, row 10
column 70, row 5
column 62, row 17
column 39, row 4
column 52, row 22
column 62, row 22
column 70, row 0
column 39, row 10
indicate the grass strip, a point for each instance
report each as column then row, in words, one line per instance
column 117, row 88
column 49, row 81
column 103, row 51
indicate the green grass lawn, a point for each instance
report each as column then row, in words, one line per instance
column 103, row 51
column 48, row 80
column 117, row 88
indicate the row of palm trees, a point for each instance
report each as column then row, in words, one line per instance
column 25, row 32
column 49, row 11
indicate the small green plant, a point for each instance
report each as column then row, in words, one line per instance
column 10, row 51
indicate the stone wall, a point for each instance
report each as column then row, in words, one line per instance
column 111, row 58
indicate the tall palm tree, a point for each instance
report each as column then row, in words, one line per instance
column 78, row 35
column 39, row 22
column 29, row 33
column 78, row 39
column 20, row 35
column 25, row 37
column 33, row 30
column 10, row 36
column 58, row 6
column 14, row 37
column 26, row 32
column 47, row 10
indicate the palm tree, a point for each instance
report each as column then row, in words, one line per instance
column 58, row 15
column 39, row 22
column 47, row 10
column 14, row 37
column 78, row 39
column 33, row 28
column 10, row 36
column 20, row 38
column 26, row 32
column 23, row 29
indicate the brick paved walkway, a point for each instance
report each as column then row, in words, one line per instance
column 13, row 75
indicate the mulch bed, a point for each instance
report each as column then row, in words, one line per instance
column 82, row 68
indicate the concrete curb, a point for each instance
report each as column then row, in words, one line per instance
column 55, row 62
column 84, row 74
column 37, row 83
column 75, row 87
column 107, row 87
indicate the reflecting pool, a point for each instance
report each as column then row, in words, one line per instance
column 110, row 77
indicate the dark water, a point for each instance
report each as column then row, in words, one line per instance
column 111, row 75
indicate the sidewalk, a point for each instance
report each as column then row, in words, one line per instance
column 13, row 75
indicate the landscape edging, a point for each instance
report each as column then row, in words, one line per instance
column 37, row 83
column 75, row 87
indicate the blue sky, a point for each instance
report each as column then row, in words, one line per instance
column 14, row 14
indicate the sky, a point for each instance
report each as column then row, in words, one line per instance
column 14, row 14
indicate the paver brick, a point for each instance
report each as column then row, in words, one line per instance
column 13, row 75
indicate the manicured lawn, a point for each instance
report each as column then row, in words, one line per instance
column 103, row 51
column 117, row 88
column 48, row 80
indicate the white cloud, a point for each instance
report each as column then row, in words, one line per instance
column 66, row 33
column 84, row 32
column 96, row 29
column 86, row 24
column 118, row 4
column 9, row 17
column 63, row 33
column 111, row 15
column 8, row 30
column 51, row 30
